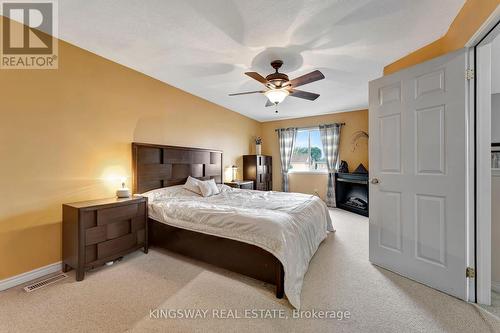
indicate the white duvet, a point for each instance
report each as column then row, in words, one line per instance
column 289, row 225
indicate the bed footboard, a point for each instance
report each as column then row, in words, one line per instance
column 226, row 253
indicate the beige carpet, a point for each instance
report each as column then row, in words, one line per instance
column 119, row 298
column 494, row 308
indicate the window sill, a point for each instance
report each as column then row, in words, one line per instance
column 308, row 172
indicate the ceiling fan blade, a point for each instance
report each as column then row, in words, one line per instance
column 303, row 94
column 246, row 93
column 257, row 76
column 268, row 103
column 306, row 78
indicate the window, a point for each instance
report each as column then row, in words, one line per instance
column 308, row 153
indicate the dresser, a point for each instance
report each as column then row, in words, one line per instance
column 259, row 169
column 99, row 231
column 242, row 184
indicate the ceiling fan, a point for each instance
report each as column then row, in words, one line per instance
column 279, row 86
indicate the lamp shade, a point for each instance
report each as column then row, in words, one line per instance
column 276, row 96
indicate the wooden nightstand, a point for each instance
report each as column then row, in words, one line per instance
column 98, row 231
column 243, row 184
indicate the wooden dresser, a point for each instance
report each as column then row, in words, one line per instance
column 98, row 231
column 259, row 168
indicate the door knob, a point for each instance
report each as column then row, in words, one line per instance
column 375, row 181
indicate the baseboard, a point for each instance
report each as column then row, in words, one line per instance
column 495, row 286
column 29, row 276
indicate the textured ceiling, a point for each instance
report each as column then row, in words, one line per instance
column 205, row 46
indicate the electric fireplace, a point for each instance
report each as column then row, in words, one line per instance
column 352, row 192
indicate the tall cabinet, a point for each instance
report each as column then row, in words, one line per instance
column 259, row 168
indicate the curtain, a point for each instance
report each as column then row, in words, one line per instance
column 330, row 137
column 286, row 138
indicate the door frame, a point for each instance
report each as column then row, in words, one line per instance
column 480, row 148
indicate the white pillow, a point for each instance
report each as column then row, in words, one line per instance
column 168, row 192
column 193, row 185
column 208, row 188
column 224, row 188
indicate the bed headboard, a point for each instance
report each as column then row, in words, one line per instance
column 156, row 166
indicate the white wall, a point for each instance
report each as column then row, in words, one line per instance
column 495, row 117
column 495, row 179
column 495, row 90
column 495, row 229
column 495, row 66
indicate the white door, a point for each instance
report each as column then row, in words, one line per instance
column 418, row 154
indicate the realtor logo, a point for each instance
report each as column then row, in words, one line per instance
column 29, row 31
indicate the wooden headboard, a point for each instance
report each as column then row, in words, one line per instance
column 156, row 166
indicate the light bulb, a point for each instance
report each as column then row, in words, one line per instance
column 276, row 96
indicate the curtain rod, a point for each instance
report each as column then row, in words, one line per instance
column 312, row 127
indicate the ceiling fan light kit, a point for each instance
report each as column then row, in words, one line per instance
column 276, row 96
column 279, row 86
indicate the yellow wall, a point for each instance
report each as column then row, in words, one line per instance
column 307, row 183
column 63, row 131
column 469, row 19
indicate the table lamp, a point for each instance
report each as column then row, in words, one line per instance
column 123, row 192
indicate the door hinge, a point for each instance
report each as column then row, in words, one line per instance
column 470, row 272
column 469, row 74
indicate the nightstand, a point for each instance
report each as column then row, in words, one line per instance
column 99, row 231
column 243, row 184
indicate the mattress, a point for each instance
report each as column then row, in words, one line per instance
column 288, row 225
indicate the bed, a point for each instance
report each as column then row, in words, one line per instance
column 270, row 236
